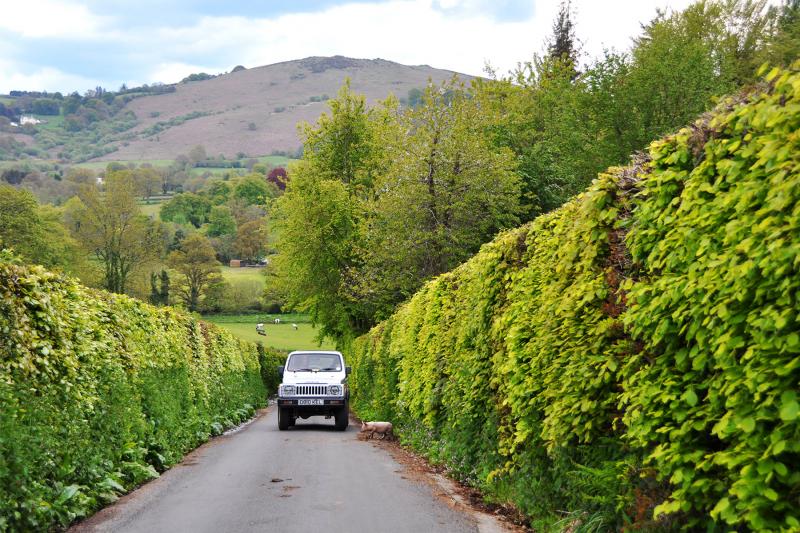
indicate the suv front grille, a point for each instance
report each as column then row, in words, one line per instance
column 311, row 390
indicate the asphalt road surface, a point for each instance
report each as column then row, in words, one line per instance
column 307, row 479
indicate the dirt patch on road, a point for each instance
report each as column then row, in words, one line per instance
column 490, row 517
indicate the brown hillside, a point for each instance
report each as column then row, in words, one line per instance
column 275, row 98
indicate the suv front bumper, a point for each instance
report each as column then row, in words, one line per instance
column 311, row 401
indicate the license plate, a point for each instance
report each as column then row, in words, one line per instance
column 311, row 401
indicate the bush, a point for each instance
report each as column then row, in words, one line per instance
column 632, row 357
column 99, row 392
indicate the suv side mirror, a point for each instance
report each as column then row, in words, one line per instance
column 348, row 370
column 280, row 371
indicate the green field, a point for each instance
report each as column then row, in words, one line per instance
column 244, row 273
column 50, row 122
column 151, row 209
column 275, row 160
column 282, row 336
column 101, row 165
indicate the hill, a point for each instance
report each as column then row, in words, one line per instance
column 252, row 111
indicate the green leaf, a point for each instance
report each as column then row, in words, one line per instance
column 747, row 424
column 67, row 493
column 690, row 397
column 721, row 507
column 790, row 411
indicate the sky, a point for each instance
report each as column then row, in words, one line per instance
column 70, row 45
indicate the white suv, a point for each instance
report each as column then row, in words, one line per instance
column 313, row 383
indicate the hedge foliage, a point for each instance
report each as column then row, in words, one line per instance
column 99, row 392
column 634, row 356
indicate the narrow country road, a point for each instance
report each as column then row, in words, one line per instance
column 309, row 478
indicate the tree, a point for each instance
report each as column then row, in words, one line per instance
column 35, row 232
column 111, row 227
column 198, row 267
column 81, row 175
column 221, row 221
column 563, row 43
column 320, row 218
column 253, row 189
column 148, row 181
column 20, row 226
column 445, row 192
column 197, row 154
column 218, row 191
column 278, row 177
column 159, row 295
column 186, row 208
column 783, row 46
column 341, row 143
column 251, row 240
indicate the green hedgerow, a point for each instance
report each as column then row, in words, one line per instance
column 99, row 392
column 631, row 359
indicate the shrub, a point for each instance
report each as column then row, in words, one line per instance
column 99, row 392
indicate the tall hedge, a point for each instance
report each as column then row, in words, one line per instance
column 633, row 358
column 99, row 392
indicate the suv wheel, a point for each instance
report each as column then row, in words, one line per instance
column 284, row 418
column 342, row 416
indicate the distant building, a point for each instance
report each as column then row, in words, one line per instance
column 236, row 263
column 27, row 119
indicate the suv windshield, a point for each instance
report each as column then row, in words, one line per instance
column 309, row 362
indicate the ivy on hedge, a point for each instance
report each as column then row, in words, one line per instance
column 99, row 392
column 634, row 356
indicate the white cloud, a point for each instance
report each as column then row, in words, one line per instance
column 13, row 76
column 406, row 31
column 52, row 19
column 174, row 71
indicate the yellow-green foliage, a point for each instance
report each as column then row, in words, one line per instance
column 99, row 392
column 633, row 356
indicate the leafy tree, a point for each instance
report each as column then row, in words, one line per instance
column 318, row 225
column 186, row 208
column 253, row 189
column 319, row 219
column 278, row 177
column 251, row 240
column 563, row 44
column 81, row 175
column 218, row 191
column 445, row 192
column 783, row 45
column 35, row 232
column 414, row 98
column 221, row 221
column 177, row 239
column 148, row 181
column 111, row 227
column 341, row 143
column 159, row 295
column 197, row 154
column 197, row 265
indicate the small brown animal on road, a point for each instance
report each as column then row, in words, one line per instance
column 383, row 428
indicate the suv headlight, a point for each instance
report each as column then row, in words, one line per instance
column 335, row 390
column 287, row 390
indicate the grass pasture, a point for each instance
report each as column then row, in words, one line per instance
column 282, row 336
column 101, row 165
column 243, row 274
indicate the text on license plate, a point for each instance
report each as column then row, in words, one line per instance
column 311, row 401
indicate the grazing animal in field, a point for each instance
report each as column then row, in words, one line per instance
column 383, row 428
column 277, row 320
column 294, row 326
